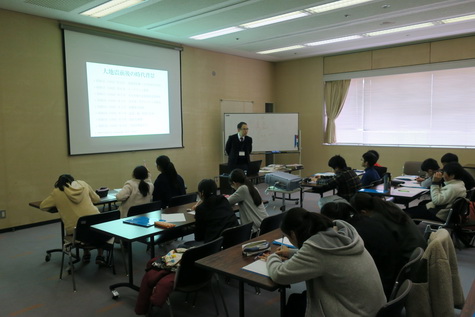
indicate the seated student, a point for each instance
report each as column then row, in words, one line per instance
column 346, row 182
column 466, row 177
column 339, row 273
column 370, row 174
column 251, row 208
column 136, row 191
column 429, row 166
column 168, row 184
column 406, row 233
column 379, row 168
column 73, row 199
column 377, row 157
column 442, row 197
column 213, row 213
column 379, row 241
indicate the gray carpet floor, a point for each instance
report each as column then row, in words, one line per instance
column 30, row 286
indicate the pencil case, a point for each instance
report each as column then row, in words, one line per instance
column 256, row 247
column 164, row 225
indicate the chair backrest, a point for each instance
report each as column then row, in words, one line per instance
column 408, row 270
column 84, row 233
column 254, row 167
column 182, row 199
column 236, row 235
column 394, row 307
column 381, row 170
column 457, row 211
column 144, row 208
column 188, row 275
column 270, row 223
column 411, row 168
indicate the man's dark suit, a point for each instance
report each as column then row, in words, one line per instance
column 233, row 147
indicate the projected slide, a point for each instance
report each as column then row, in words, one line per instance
column 127, row 100
column 121, row 95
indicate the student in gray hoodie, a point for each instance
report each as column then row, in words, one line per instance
column 340, row 275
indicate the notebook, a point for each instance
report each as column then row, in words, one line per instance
column 141, row 221
column 258, row 267
column 373, row 191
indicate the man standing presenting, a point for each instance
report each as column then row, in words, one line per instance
column 239, row 147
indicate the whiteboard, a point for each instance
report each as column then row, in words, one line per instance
column 270, row 132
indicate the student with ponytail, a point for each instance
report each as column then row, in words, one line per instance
column 136, row 191
column 251, row 208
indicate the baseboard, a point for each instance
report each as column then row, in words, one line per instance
column 42, row 223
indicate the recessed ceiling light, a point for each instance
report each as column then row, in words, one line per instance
column 401, row 29
column 110, row 7
column 208, row 35
column 288, row 48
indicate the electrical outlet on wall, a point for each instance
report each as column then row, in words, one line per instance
column 3, row 214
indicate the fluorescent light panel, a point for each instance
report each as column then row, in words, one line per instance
column 288, row 48
column 217, row 33
column 335, row 5
column 459, row 19
column 284, row 17
column 276, row 19
column 110, row 7
column 401, row 29
column 340, row 39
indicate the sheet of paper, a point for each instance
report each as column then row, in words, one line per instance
column 173, row 217
column 258, row 267
column 284, row 241
column 413, row 184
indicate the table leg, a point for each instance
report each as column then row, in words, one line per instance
column 241, row 299
column 130, row 284
column 282, row 301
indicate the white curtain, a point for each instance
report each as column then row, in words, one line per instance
column 334, row 98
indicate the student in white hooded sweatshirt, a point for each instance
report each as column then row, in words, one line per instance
column 340, row 274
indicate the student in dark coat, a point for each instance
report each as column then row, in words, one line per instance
column 213, row 213
column 379, row 241
column 168, row 184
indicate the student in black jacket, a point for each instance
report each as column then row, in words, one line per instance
column 213, row 213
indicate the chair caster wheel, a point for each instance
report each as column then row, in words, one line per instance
column 115, row 294
column 48, row 257
column 69, row 272
column 282, row 208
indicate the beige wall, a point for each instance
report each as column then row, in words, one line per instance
column 299, row 84
column 33, row 140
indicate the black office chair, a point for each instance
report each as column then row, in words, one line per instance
column 381, row 170
column 452, row 223
column 190, row 279
column 86, row 238
column 236, row 235
column 407, row 271
column 144, row 208
column 182, row 199
column 394, row 307
column 270, row 223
